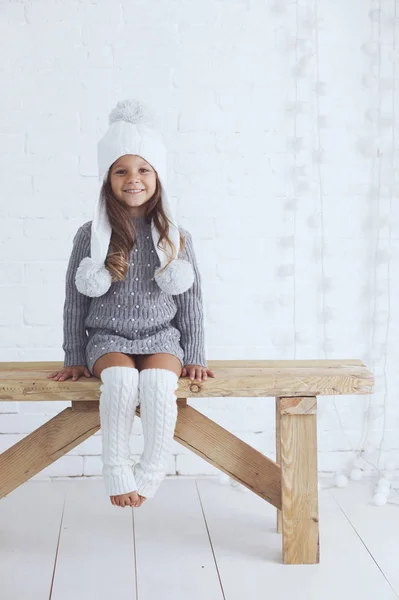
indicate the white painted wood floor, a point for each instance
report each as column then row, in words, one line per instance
column 196, row 540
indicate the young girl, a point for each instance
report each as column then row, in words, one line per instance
column 133, row 283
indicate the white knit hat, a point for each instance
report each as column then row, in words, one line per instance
column 131, row 132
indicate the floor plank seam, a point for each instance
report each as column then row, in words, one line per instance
column 361, row 539
column 58, row 545
column 135, row 555
column 210, row 541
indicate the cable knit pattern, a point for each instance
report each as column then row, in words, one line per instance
column 158, row 411
column 118, row 402
column 135, row 316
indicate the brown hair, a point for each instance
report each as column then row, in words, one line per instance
column 123, row 237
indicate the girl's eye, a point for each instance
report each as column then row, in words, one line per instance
column 122, row 170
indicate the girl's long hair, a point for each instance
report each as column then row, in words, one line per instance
column 123, row 237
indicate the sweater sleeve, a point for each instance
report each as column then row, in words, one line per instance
column 76, row 305
column 189, row 317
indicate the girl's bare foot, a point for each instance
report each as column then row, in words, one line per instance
column 141, row 500
column 131, row 499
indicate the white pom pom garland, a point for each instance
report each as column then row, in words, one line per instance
column 356, row 474
column 380, row 499
column 224, row 479
column 383, row 481
column 340, row 481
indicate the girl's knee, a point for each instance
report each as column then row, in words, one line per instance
column 112, row 359
column 161, row 360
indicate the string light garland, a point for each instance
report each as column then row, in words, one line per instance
column 378, row 149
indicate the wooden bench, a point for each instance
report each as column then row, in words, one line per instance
column 289, row 484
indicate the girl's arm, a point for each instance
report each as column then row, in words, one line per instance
column 76, row 304
column 189, row 318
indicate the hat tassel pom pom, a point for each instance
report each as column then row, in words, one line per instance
column 92, row 279
column 177, row 278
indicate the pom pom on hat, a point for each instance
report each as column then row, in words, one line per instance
column 132, row 111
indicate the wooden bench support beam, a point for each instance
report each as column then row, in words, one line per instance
column 228, row 453
column 298, row 444
column 193, row 430
column 47, row 444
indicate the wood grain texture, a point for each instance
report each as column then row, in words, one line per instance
column 300, row 516
column 45, row 445
column 278, row 459
column 28, row 380
column 298, row 406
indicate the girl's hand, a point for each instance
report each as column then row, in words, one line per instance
column 197, row 372
column 67, row 372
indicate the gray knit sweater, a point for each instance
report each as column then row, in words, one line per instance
column 135, row 316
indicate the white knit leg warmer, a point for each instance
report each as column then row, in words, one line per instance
column 158, row 411
column 118, row 402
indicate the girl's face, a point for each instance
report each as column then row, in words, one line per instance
column 133, row 182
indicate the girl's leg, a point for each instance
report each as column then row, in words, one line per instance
column 118, row 402
column 158, row 381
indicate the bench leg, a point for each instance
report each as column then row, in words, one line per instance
column 300, row 517
column 278, row 459
column 47, row 444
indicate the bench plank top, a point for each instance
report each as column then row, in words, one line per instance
column 27, row 381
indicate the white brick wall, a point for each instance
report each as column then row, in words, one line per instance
column 280, row 120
